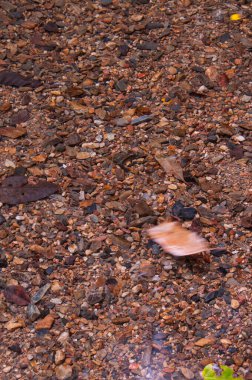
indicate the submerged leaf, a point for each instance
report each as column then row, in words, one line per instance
column 213, row 372
column 176, row 240
column 171, row 166
column 16, row 294
column 10, row 78
column 12, row 132
column 15, row 190
column 235, row 17
column 20, row 116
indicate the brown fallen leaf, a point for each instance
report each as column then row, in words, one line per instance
column 176, row 240
column 205, row 342
column 11, row 78
column 171, row 166
column 15, row 190
column 4, row 107
column 212, row 73
column 20, row 116
column 16, row 294
column 12, row 132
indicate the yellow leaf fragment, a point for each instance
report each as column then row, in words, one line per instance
column 235, row 17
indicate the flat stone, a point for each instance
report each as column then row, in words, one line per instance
column 45, row 323
column 59, row 357
column 63, row 372
column 121, row 85
column 14, row 325
column 40, row 293
column 32, row 312
column 122, row 122
column 205, row 342
column 83, row 155
column 148, row 45
column 141, row 119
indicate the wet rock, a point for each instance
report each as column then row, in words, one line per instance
column 105, row 3
column 182, row 212
column 224, row 37
column 15, row 348
column 120, row 242
column 218, row 252
column 32, row 312
column 45, row 323
column 236, row 151
column 123, row 50
column 73, row 139
column 121, row 85
column 2, row 219
column 51, row 27
column 120, row 320
column 40, row 293
column 59, row 357
column 154, row 25
column 142, row 208
column 211, row 296
column 3, row 260
column 63, row 372
column 88, row 314
column 95, row 297
column 70, row 260
column 14, row 325
column 148, row 45
column 212, row 138
column 20, row 116
column 141, row 119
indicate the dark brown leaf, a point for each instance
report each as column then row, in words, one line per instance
column 10, row 78
column 12, row 132
column 223, row 80
column 16, row 294
column 15, row 190
column 20, row 116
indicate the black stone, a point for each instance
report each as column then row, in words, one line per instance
column 111, row 281
column 121, row 85
column 221, row 292
column 20, row 171
column 2, row 219
column 218, row 252
column 154, row 25
column 195, row 298
column 148, row 45
column 224, row 37
column 227, row 298
column 70, row 260
column 90, row 209
column 49, row 270
column 106, row 2
column 123, row 50
column 212, row 138
column 94, row 298
column 223, row 271
column 211, row 296
column 51, row 27
column 88, row 314
column 177, row 207
column 182, row 212
column 187, row 213
column 3, row 260
column 232, row 350
column 15, row 348
column 60, row 148
column 156, row 250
